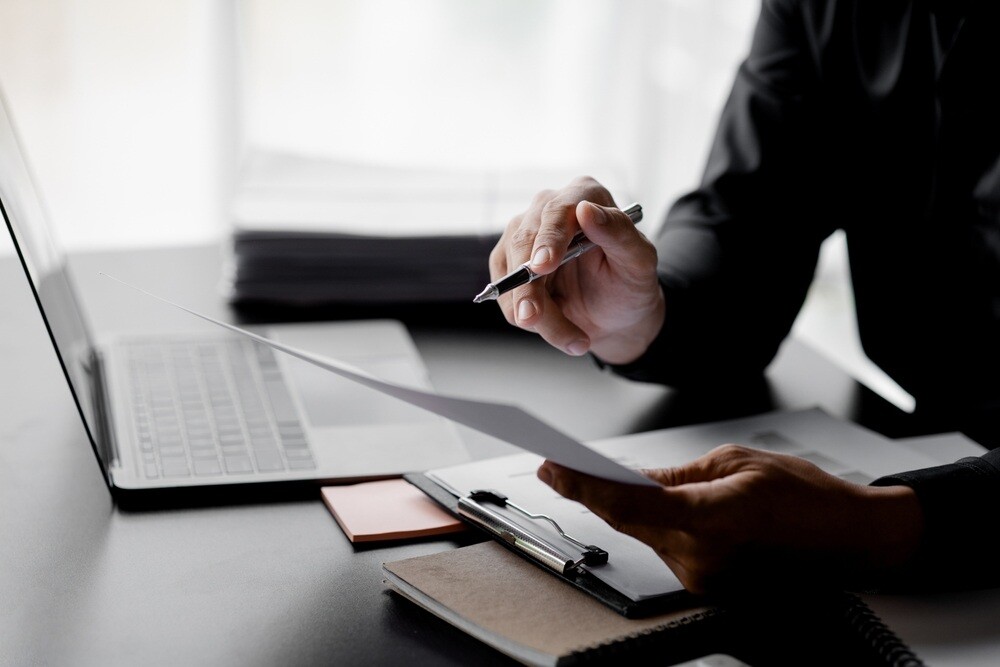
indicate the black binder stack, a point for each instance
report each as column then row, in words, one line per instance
column 313, row 232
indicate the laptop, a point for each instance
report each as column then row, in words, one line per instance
column 204, row 418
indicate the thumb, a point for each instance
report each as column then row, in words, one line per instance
column 612, row 230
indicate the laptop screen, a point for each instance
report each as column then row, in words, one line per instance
column 45, row 267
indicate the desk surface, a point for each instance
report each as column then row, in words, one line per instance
column 83, row 583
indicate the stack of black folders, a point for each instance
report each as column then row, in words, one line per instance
column 556, row 586
column 313, row 232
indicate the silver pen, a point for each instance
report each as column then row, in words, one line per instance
column 524, row 275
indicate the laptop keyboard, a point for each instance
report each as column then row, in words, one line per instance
column 209, row 409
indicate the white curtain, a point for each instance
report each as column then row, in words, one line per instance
column 125, row 108
column 634, row 83
column 135, row 112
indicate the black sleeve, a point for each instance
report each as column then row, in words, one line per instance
column 736, row 256
column 958, row 501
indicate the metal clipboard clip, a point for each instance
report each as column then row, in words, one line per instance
column 472, row 507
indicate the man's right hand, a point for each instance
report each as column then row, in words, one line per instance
column 608, row 301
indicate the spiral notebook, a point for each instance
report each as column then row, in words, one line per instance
column 519, row 609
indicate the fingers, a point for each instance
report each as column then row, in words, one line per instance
column 557, row 224
column 536, row 309
column 533, row 308
column 643, row 512
column 615, row 233
column 610, row 302
column 720, row 462
column 539, row 237
column 513, row 250
column 544, row 247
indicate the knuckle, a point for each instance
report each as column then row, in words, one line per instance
column 542, row 196
column 522, row 237
column 512, row 225
column 731, row 453
column 550, row 237
column 663, row 476
column 497, row 256
column 556, row 207
column 593, row 190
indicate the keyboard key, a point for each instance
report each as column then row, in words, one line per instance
column 281, row 402
column 297, row 454
column 269, row 461
column 195, row 444
column 301, row 465
column 172, row 451
column 204, row 467
column 175, row 468
column 238, row 464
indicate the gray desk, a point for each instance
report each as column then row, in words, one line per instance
column 82, row 583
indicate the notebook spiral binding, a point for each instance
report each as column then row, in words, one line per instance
column 889, row 648
column 877, row 634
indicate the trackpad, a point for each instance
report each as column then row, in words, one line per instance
column 330, row 400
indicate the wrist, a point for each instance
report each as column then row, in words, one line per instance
column 623, row 346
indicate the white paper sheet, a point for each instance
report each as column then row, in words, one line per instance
column 506, row 422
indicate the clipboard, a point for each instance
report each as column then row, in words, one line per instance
column 635, row 581
column 563, row 560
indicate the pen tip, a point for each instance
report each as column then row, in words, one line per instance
column 489, row 293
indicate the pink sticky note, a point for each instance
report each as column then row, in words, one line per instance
column 391, row 509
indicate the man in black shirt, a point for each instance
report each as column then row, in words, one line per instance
column 879, row 118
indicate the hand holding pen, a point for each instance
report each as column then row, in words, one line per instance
column 608, row 302
column 523, row 274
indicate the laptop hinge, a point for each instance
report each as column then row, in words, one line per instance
column 105, row 432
